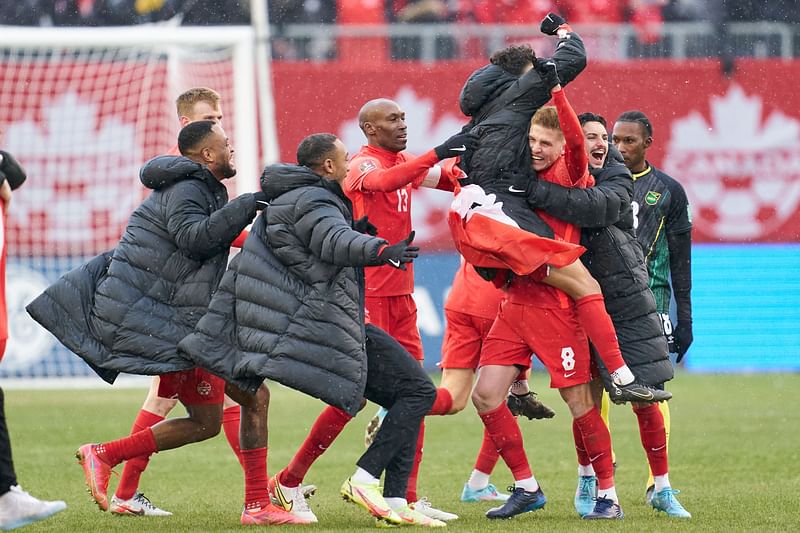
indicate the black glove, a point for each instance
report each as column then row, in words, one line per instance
column 551, row 23
column 516, row 183
column 457, row 145
column 549, row 73
column 261, row 200
column 363, row 225
column 683, row 339
column 401, row 253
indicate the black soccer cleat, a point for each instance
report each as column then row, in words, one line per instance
column 520, row 501
column 605, row 509
column 637, row 392
column 528, row 406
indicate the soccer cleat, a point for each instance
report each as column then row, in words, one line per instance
column 665, row 500
column 18, row 508
column 520, row 501
column 368, row 496
column 96, row 471
column 488, row 493
column 637, row 392
column 412, row 517
column 648, row 494
column 424, row 506
column 269, row 515
column 373, row 426
column 308, row 490
column 585, row 495
column 528, row 406
column 605, row 509
column 139, row 505
column 290, row 499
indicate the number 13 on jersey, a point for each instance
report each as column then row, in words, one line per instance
column 402, row 200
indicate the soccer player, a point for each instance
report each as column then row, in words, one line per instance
column 470, row 310
column 17, row 507
column 290, row 308
column 615, row 259
column 541, row 319
column 664, row 228
column 146, row 295
column 498, row 97
column 197, row 103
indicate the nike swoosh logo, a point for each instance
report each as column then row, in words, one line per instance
column 595, row 458
column 394, row 262
column 569, row 375
column 659, row 448
column 286, row 504
column 461, row 148
column 648, row 396
column 514, row 189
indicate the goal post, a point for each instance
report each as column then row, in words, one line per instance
column 84, row 108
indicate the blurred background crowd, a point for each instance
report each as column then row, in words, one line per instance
column 436, row 29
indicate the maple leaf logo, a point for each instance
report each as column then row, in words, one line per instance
column 741, row 171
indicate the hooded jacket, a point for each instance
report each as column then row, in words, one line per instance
column 501, row 106
column 291, row 305
column 126, row 310
column 614, row 258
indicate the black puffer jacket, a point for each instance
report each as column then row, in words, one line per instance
column 127, row 311
column 291, row 305
column 615, row 259
column 501, row 106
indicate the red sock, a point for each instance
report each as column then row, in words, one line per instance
column 326, row 428
column 411, row 490
column 594, row 319
column 504, row 431
column 230, row 425
column 132, row 472
column 487, row 455
column 140, row 443
column 443, row 402
column 654, row 438
column 597, row 442
column 580, row 448
column 255, row 478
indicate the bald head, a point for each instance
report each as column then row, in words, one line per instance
column 384, row 124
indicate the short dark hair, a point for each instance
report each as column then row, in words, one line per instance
column 193, row 134
column 637, row 116
column 583, row 118
column 312, row 151
column 514, row 59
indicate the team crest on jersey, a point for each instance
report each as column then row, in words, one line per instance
column 366, row 166
column 204, row 388
column 652, row 197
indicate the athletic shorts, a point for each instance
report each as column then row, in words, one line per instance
column 463, row 339
column 397, row 316
column 192, row 387
column 554, row 335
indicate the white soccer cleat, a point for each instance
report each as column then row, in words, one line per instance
column 290, row 499
column 423, row 506
column 139, row 505
column 18, row 508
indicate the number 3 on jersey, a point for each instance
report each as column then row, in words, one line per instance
column 402, row 200
column 635, row 209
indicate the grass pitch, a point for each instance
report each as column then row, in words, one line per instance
column 734, row 454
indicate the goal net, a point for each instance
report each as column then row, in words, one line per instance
column 83, row 109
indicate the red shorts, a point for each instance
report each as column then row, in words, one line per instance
column 463, row 339
column 554, row 335
column 397, row 316
column 192, row 387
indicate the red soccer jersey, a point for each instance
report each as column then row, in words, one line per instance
column 387, row 201
column 571, row 169
column 3, row 310
column 473, row 295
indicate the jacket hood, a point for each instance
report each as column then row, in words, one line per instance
column 281, row 178
column 483, row 86
column 165, row 170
